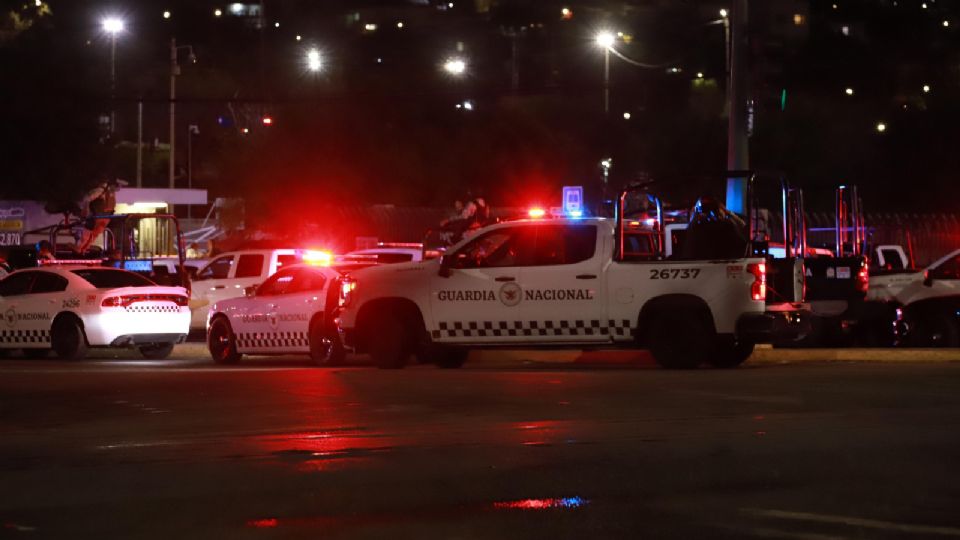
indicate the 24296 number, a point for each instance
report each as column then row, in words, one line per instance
column 675, row 273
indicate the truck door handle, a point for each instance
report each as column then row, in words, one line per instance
column 505, row 278
column 587, row 276
column 219, row 287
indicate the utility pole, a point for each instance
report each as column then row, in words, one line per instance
column 606, row 81
column 140, row 143
column 738, row 150
column 174, row 71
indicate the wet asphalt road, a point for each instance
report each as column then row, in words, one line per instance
column 276, row 448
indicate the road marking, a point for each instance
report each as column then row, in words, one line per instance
column 854, row 522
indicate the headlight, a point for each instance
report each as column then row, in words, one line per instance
column 347, row 286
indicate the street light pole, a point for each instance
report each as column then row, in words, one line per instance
column 174, row 71
column 738, row 156
column 606, row 40
column 113, row 26
column 113, row 83
column 606, row 81
column 191, row 131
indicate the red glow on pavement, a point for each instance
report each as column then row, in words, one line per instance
column 262, row 523
column 541, row 504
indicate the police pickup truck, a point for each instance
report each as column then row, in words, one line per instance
column 564, row 282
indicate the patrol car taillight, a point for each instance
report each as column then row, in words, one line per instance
column 863, row 278
column 126, row 300
column 758, row 289
column 347, row 286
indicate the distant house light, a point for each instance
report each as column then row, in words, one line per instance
column 845, row 30
column 370, row 27
column 237, row 9
column 799, row 19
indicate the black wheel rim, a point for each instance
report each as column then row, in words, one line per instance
column 220, row 342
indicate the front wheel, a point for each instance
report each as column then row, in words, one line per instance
column 388, row 345
column 729, row 353
column 222, row 342
column 156, row 351
column 68, row 339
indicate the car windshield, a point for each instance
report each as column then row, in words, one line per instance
column 113, row 279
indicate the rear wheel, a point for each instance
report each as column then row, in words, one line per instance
column 729, row 353
column 326, row 349
column 68, row 339
column 680, row 340
column 388, row 343
column 156, row 351
column 938, row 330
column 222, row 342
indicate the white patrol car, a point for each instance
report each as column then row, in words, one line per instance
column 70, row 309
column 287, row 314
column 570, row 282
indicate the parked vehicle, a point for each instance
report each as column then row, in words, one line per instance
column 289, row 313
column 570, row 282
column 71, row 308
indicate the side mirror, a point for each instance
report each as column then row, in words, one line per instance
column 927, row 279
column 445, row 270
column 250, row 291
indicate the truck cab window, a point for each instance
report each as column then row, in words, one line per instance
column 948, row 270
column 496, row 249
column 249, row 266
column 218, row 269
column 564, row 244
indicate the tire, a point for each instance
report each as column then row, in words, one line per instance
column 222, row 342
column 36, row 354
column 729, row 353
column 156, row 351
column 680, row 340
column 326, row 349
column 938, row 330
column 389, row 344
column 68, row 340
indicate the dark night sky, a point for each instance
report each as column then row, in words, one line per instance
column 380, row 123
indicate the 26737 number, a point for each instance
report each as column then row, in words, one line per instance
column 675, row 273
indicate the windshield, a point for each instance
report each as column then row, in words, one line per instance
column 113, row 279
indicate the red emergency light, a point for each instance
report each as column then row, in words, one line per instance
column 536, row 212
column 267, row 121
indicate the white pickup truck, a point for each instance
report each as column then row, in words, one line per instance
column 565, row 282
column 924, row 303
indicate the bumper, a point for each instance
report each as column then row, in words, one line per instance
column 774, row 326
column 106, row 328
column 141, row 339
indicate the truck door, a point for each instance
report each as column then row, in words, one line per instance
column 480, row 300
column 562, row 288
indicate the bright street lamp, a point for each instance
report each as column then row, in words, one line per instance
column 606, row 39
column 314, row 61
column 112, row 25
column 455, row 66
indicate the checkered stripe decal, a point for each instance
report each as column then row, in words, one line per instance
column 24, row 336
column 273, row 340
column 154, row 309
column 459, row 329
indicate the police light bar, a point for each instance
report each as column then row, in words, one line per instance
column 317, row 258
column 536, row 212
